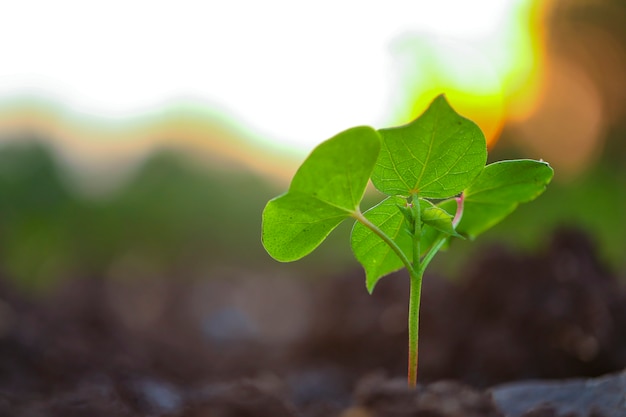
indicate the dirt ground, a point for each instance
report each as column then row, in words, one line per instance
column 243, row 345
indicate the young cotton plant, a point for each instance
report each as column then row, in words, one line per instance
column 437, row 185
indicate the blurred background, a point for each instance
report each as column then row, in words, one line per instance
column 142, row 140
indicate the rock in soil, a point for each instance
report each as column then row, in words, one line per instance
column 604, row 396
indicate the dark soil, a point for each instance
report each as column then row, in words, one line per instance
column 243, row 345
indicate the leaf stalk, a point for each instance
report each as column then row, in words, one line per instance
column 389, row 241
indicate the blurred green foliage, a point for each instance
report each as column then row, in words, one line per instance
column 177, row 218
column 171, row 216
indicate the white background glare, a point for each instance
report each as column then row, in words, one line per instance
column 291, row 73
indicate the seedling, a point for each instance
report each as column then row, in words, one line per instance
column 438, row 189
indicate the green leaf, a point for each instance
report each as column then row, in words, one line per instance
column 377, row 258
column 498, row 190
column 294, row 224
column 437, row 155
column 326, row 189
column 437, row 218
column 337, row 171
column 408, row 216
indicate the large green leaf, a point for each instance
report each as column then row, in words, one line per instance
column 377, row 258
column 436, row 156
column 337, row 171
column 498, row 190
column 326, row 189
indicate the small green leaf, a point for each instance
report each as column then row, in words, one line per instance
column 437, row 218
column 377, row 258
column 326, row 189
column 498, row 190
column 408, row 216
column 436, row 156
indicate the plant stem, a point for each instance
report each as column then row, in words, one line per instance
column 414, row 313
column 431, row 254
column 416, row 272
column 415, row 294
column 416, row 282
column 417, row 231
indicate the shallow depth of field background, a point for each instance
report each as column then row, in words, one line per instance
column 142, row 142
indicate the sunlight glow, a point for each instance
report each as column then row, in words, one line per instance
column 290, row 74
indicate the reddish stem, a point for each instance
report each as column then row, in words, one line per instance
column 459, row 210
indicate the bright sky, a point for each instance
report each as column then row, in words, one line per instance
column 294, row 73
